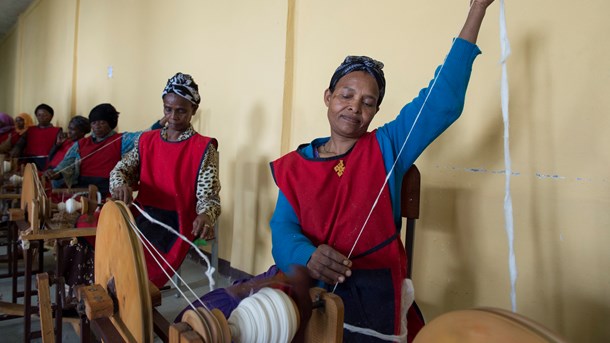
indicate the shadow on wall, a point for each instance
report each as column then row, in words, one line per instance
column 250, row 175
column 452, row 244
column 546, row 263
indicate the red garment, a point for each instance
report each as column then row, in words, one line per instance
column 11, row 134
column 40, row 140
column 332, row 209
column 168, row 181
column 100, row 164
column 85, row 221
column 60, row 153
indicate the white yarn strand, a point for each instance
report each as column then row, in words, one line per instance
column 370, row 332
column 508, row 203
column 153, row 251
column 210, row 271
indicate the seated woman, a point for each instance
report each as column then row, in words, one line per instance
column 78, row 127
column 23, row 122
column 336, row 215
column 35, row 144
column 86, row 163
column 7, row 130
column 176, row 170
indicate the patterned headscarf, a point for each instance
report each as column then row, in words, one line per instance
column 7, row 122
column 360, row 63
column 184, row 86
column 28, row 121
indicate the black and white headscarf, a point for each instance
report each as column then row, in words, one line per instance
column 360, row 63
column 184, row 86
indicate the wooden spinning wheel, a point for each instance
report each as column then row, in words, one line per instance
column 30, row 188
column 120, row 269
column 120, row 272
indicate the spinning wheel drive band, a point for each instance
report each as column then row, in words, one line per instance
column 120, row 268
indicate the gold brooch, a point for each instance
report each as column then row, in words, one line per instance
column 340, row 168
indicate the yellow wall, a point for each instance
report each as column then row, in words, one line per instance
column 260, row 104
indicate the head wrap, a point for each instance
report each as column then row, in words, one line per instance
column 46, row 108
column 360, row 63
column 184, row 86
column 105, row 112
column 27, row 120
column 81, row 123
column 7, row 122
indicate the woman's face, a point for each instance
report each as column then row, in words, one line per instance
column 179, row 112
column 44, row 117
column 353, row 104
column 19, row 123
column 100, row 128
column 74, row 133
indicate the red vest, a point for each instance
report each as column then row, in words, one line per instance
column 60, row 153
column 98, row 159
column 332, row 209
column 168, row 181
column 9, row 135
column 40, row 140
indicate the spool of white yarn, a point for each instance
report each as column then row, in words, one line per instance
column 16, row 179
column 6, row 166
column 266, row 316
column 70, row 206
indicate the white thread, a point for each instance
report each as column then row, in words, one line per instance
column 79, row 160
column 152, row 251
column 210, row 272
column 72, row 205
column 16, row 179
column 266, row 316
column 370, row 332
column 7, row 166
column 508, row 203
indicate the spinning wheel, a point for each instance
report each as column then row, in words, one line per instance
column 485, row 325
column 121, row 270
column 30, row 188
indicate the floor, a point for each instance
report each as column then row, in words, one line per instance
column 192, row 272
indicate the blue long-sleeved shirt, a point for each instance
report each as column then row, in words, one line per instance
column 443, row 106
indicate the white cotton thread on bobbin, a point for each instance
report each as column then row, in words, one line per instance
column 251, row 320
column 6, row 166
column 16, row 179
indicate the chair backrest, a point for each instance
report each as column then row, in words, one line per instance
column 410, row 196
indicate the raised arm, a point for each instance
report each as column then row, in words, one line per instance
column 471, row 28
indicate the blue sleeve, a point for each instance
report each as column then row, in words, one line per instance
column 417, row 126
column 290, row 246
column 128, row 141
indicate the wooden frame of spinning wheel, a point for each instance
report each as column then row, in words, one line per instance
column 37, row 207
column 119, row 305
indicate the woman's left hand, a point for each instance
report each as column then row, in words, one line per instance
column 201, row 225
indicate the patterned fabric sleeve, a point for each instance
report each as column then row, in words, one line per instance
column 127, row 170
column 208, row 185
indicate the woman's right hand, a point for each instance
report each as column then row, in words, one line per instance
column 328, row 265
column 123, row 193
